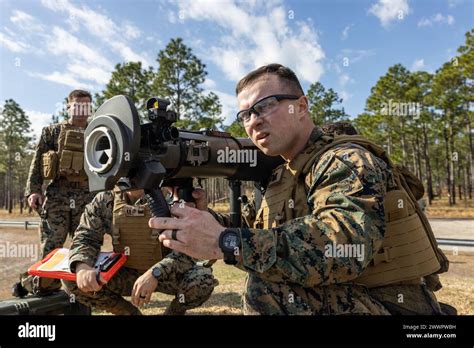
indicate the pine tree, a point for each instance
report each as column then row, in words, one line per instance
column 179, row 79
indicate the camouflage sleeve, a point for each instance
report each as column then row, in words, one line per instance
column 96, row 220
column 346, row 198
column 175, row 263
column 35, row 179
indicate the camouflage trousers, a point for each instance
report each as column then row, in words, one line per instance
column 191, row 289
column 407, row 299
column 60, row 216
column 270, row 298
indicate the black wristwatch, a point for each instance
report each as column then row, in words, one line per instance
column 156, row 272
column 229, row 242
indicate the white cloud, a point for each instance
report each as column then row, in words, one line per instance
column 345, row 95
column 249, row 40
column 209, row 83
column 128, row 54
column 90, row 73
column 67, row 79
column 171, row 17
column 436, row 19
column 26, row 22
column 388, row 11
column 13, row 45
column 354, row 56
column 96, row 23
column 85, row 64
column 229, row 105
column 84, row 60
column 38, row 121
column 345, row 32
column 64, row 43
column 131, row 32
column 344, row 79
column 418, row 64
column 453, row 3
column 102, row 27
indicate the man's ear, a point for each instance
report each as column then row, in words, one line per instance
column 303, row 106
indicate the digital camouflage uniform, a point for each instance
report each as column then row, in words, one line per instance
column 62, row 208
column 191, row 284
column 287, row 270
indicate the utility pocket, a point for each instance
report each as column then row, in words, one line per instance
column 74, row 140
column 49, row 165
column 65, row 164
column 77, row 161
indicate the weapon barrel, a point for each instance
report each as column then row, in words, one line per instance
column 53, row 304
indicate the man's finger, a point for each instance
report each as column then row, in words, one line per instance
column 139, row 295
column 166, row 223
column 168, row 235
column 175, row 245
column 134, row 294
column 181, row 211
column 143, row 298
column 148, row 298
column 94, row 285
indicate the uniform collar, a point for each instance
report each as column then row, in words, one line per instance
column 313, row 141
column 315, row 135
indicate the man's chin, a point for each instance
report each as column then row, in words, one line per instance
column 268, row 151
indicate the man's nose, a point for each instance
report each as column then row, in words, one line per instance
column 254, row 120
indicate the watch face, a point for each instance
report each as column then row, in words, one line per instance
column 156, row 272
column 230, row 241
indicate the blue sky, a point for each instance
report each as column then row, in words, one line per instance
column 48, row 48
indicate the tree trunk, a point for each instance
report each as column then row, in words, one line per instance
column 470, row 157
column 418, row 157
column 403, row 141
column 452, row 158
column 426, row 156
column 448, row 167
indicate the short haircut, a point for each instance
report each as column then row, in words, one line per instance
column 284, row 74
column 78, row 93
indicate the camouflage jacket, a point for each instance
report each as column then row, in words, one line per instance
column 96, row 221
column 47, row 141
column 345, row 197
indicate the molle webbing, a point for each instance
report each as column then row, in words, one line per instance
column 132, row 235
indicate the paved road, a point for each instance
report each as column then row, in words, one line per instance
column 453, row 228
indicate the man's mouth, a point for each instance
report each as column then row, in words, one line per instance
column 262, row 136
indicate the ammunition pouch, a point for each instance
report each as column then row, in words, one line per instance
column 49, row 165
column 71, row 152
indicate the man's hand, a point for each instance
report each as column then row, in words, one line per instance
column 86, row 278
column 197, row 232
column 35, row 200
column 143, row 288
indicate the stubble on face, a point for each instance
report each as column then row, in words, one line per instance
column 275, row 133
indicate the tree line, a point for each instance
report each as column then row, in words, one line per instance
column 423, row 120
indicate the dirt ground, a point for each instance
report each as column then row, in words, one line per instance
column 439, row 208
column 458, row 283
